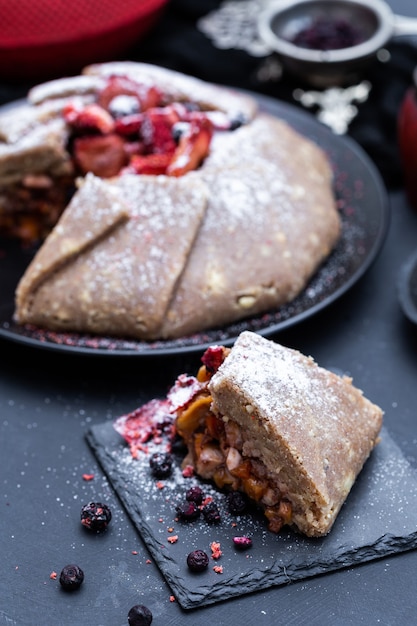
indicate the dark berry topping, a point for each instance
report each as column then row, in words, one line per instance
column 197, row 560
column 139, row 615
column 71, row 577
column 161, row 464
column 238, row 121
column 195, row 494
column 179, row 129
column 123, row 105
column 237, row 502
column 211, row 513
column 242, row 543
column 95, row 516
column 328, row 34
column 188, row 511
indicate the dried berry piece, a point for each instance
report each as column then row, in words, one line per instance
column 237, row 502
column 71, row 577
column 211, row 513
column 328, row 34
column 95, row 516
column 242, row 543
column 213, row 357
column 197, row 560
column 188, row 512
column 195, row 494
column 139, row 615
column 161, row 464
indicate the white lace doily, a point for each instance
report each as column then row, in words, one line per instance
column 234, row 25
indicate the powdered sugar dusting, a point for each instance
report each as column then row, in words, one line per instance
column 181, row 87
column 300, row 411
column 364, row 215
column 369, row 525
column 125, row 279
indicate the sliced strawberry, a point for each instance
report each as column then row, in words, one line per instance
column 193, row 148
column 134, row 147
column 151, row 164
column 174, row 112
column 104, row 155
column 129, row 125
column 157, row 131
column 147, row 96
column 89, row 118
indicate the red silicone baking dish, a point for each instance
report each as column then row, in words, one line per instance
column 42, row 39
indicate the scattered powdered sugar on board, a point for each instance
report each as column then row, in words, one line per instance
column 379, row 518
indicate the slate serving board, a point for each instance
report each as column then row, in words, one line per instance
column 378, row 519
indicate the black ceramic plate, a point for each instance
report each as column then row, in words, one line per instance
column 364, row 211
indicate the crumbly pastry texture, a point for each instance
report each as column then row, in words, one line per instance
column 240, row 234
column 310, row 430
column 114, row 257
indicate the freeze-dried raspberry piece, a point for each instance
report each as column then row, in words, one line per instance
column 213, row 357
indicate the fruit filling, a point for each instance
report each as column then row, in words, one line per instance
column 219, row 451
column 129, row 128
column 134, row 128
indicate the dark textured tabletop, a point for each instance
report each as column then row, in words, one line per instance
column 50, row 399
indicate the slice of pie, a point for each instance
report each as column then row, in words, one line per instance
column 112, row 261
column 270, row 422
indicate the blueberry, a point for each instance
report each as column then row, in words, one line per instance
column 211, row 513
column 139, row 615
column 161, row 464
column 197, row 560
column 95, row 516
column 71, row 577
column 188, row 511
column 122, row 105
column 179, row 129
column 237, row 502
column 238, row 121
column 195, row 494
